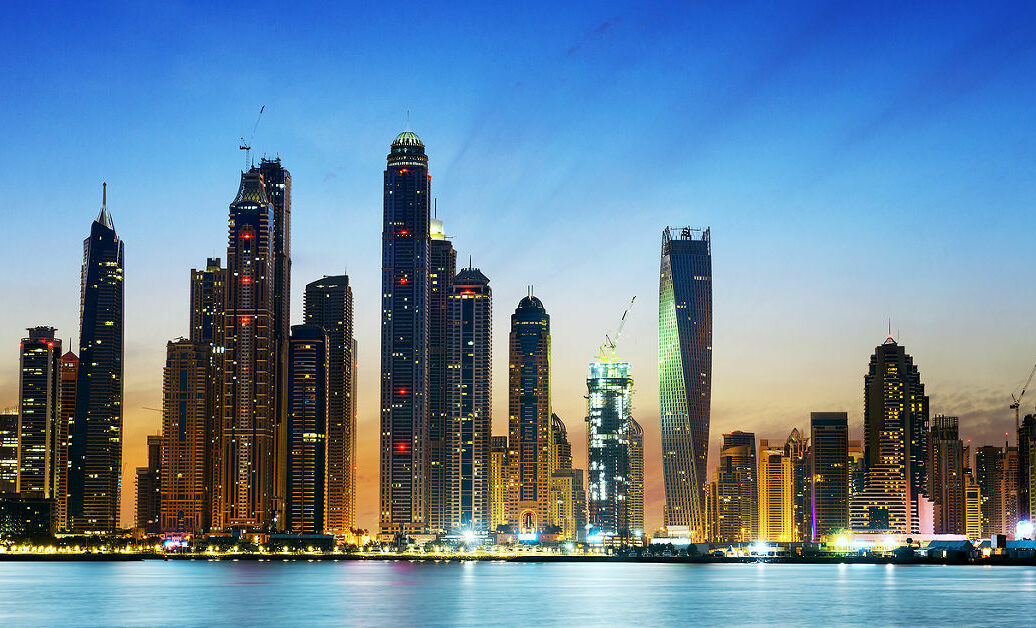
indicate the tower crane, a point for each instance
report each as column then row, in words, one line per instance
column 247, row 146
column 1016, row 400
column 608, row 348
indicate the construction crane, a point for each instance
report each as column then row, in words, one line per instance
column 1016, row 400
column 247, row 146
column 608, row 348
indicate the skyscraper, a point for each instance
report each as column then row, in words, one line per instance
column 1026, row 490
column 895, row 443
column 186, row 418
column 989, row 476
column 8, row 452
column 776, row 494
column 442, row 268
column 685, row 373
column 609, row 402
column 737, row 493
column 149, row 488
column 404, row 337
column 829, row 438
column 277, row 182
column 529, row 418
column 797, row 449
column 567, row 493
column 95, row 474
column 307, row 429
column 329, row 304
column 857, row 468
column 207, row 318
column 973, row 507
column 206, row 311
column 69, row 381
column 499, row 476
column 39, row 409
column 246, row 484
column 469, row 379
column 1009, row 490
column 946, row 481
column 635, row 494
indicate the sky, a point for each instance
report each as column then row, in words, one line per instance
column 857, row 164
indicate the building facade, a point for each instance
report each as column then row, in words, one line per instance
column 608, row 419
column 149, row 489
column 989, row 476
column 442, row 266
column 737, row 492
column 946, row 479
column 635, row 494
column 307, row 429
column 39, row 411
column 66, row 425
column 776, row 494
column 685, row 374
column 8, row 453
column 186, row 427
column 829, row 501
column 499, row 477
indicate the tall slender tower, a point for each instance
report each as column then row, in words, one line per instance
column 796, row 448
column 635, row 494
column 685, row 374
column 469, row 390
column 95, row 474
column 208, row 294
column 249, row 364
column 329, row 304
column 499, row 477
column 39, row 409
column 989, row 475
column 609, row 424
column 829, row 435
column 946, row 480
column 307, row 429
column 442, row 268
column 776, row 494
column 186, row 415
column 69, row 380
column 528, row 509
column 404, row 337
column 277, row 182
column 9, row 452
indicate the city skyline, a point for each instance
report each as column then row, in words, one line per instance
column 942, row 330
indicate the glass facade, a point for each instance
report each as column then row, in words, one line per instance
column 608, row 432
column 307, row 429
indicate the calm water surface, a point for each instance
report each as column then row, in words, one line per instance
column 181, row 593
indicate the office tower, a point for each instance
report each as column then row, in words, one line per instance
column 39, row 409
column 207, row 312
column 609, row 401
column 829, row 437
column 989, row 476
column 247, row 441
column 149, row 488
column 404, row 337
column 442, row 266
column 560, row 447
column 186, row 419
column 8, row 452
column 737, row 493
column 95, row 473
column 565, row 488
column 973, row 507
column 895, row 443
column 796, row 448
column 66, row 419
column 857, row 468
column 1009, row 490
column 277, row 182
column 1026, row 486
column 685, row 373
column 529, row 418
column 635, row 494
column 499, row 475
column 776, row 494
column 946, row 462
column 307, row 429
column 469, row 379
column 711, row 513
column 329, row 304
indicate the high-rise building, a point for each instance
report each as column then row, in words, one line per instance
column 946, row 482
column 567, row 493
column 685, row 373
column 895, row 443
column 529, row 418
column 186, row 427
column 499, row 476
column 796, row 448
column 149, row 488
column 404, row 337
column 95, row 473
column 972, row 507
column 307, row 429
column 1026, row 490
column 39, row 409
column 608, row 419
column 857, row 468
column 737, row 493
column 248, row 375
column 829, row 438
column 469, row 379
column 442, row 266
column 635, row 494
column 1009, row 490
column 8, row 452
column 989, row 476
column 207, row 317
column 329, row 304
column 66, row 419
column 776, row 494
column 277, row 182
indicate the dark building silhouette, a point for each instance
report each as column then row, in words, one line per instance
column 796, row 448
column 1026, row 486
column 685, row 374
column 329, row 305
column 469, row 388
column 8, row 452
column 829, row 440
column 989, row 475
column 95, row 474
column 404, row 337
column 249, row 364
column 946, row 479
column 442, row 268
column 207, row 318
column 66, row 421
column 206, row 312
column 39, row 409
column 149, row 488
column 307, row 429
column 529, row 419
column 186, row 420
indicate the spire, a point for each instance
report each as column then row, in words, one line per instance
column 104, row 218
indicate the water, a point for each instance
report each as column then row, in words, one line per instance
column 182, row 593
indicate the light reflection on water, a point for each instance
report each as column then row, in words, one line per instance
column 400, row 593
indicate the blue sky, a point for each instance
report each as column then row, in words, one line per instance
column 855, row 163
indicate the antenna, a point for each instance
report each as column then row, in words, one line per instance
column 470, row 265
column 247, row 146
column 104, row 194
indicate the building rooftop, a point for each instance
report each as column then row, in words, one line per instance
column 407, row 138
